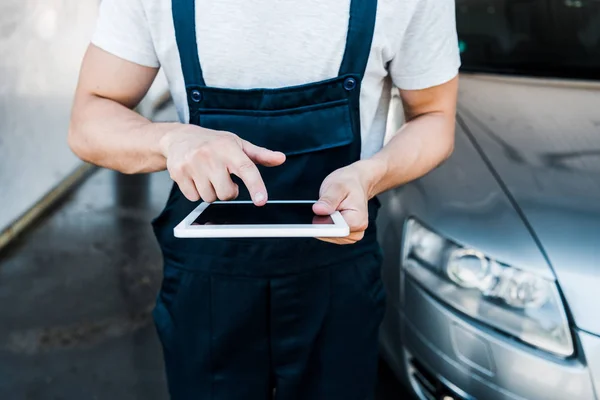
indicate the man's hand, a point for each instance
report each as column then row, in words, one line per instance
column 105, row 131
column 347, row 190
column 423, row 142
column 201, row 161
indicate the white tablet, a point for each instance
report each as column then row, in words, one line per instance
column 242, row 219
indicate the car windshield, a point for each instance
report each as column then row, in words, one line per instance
column 558, row 38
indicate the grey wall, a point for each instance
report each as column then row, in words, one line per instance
column 41, row 46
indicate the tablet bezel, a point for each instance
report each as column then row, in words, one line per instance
column 185, row 229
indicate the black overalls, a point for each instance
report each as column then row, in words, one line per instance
column 239, row 317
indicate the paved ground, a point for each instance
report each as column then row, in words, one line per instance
column 76, row 294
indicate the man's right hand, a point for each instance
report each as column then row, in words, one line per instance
column 105, row 131
column 201, row 160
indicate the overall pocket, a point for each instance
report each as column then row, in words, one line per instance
column 292, row 131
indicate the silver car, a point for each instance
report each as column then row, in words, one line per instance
column 492, row 261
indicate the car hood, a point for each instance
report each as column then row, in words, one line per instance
column 541, row 139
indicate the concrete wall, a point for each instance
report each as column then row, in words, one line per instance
column 41, row 46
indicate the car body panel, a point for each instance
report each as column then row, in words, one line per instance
column 462, row 201
column 469, row 201
column 481, row 362
column 590, row 345
column 542, row 139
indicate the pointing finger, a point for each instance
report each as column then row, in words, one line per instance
column 263, row 156
column 246, row 170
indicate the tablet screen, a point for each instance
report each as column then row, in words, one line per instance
column 270, row 213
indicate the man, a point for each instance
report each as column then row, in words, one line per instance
column 282, row 100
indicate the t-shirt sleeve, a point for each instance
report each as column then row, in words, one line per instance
column 122, row 29
column 428, row 54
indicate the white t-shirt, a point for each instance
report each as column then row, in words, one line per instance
column 277, row 43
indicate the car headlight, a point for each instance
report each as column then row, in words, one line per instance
column 516, row 302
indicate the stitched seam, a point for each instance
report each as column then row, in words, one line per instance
column 183, row 284
column 210, row 338
column 320, row 148
column 289, row 89
column 281, row 112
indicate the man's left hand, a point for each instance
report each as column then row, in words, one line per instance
column 347, row 190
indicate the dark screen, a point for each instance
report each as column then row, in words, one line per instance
column 271, row 213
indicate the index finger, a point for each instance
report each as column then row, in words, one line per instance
column 243, row 167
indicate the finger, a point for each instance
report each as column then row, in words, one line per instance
column 356, row 236
column 224, row 187
column 351, row 239
column 187, row 187
column 206, row 190
column 322, row 220
column 231, row 192
column 339, row 241
column 246, row 170
column 262, row 156
column 332, row 240
column 357, row 220
column 329, row 200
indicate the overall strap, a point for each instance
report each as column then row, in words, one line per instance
column 184, row 20
column 360, row 36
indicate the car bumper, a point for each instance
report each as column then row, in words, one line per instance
column 443, row 355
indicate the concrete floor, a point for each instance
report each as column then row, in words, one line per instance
column 76, row 293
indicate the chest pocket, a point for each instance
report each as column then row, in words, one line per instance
column 296, row 120
column 293, row 132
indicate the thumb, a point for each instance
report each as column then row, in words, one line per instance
column 329, row 200
column 262, row 156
